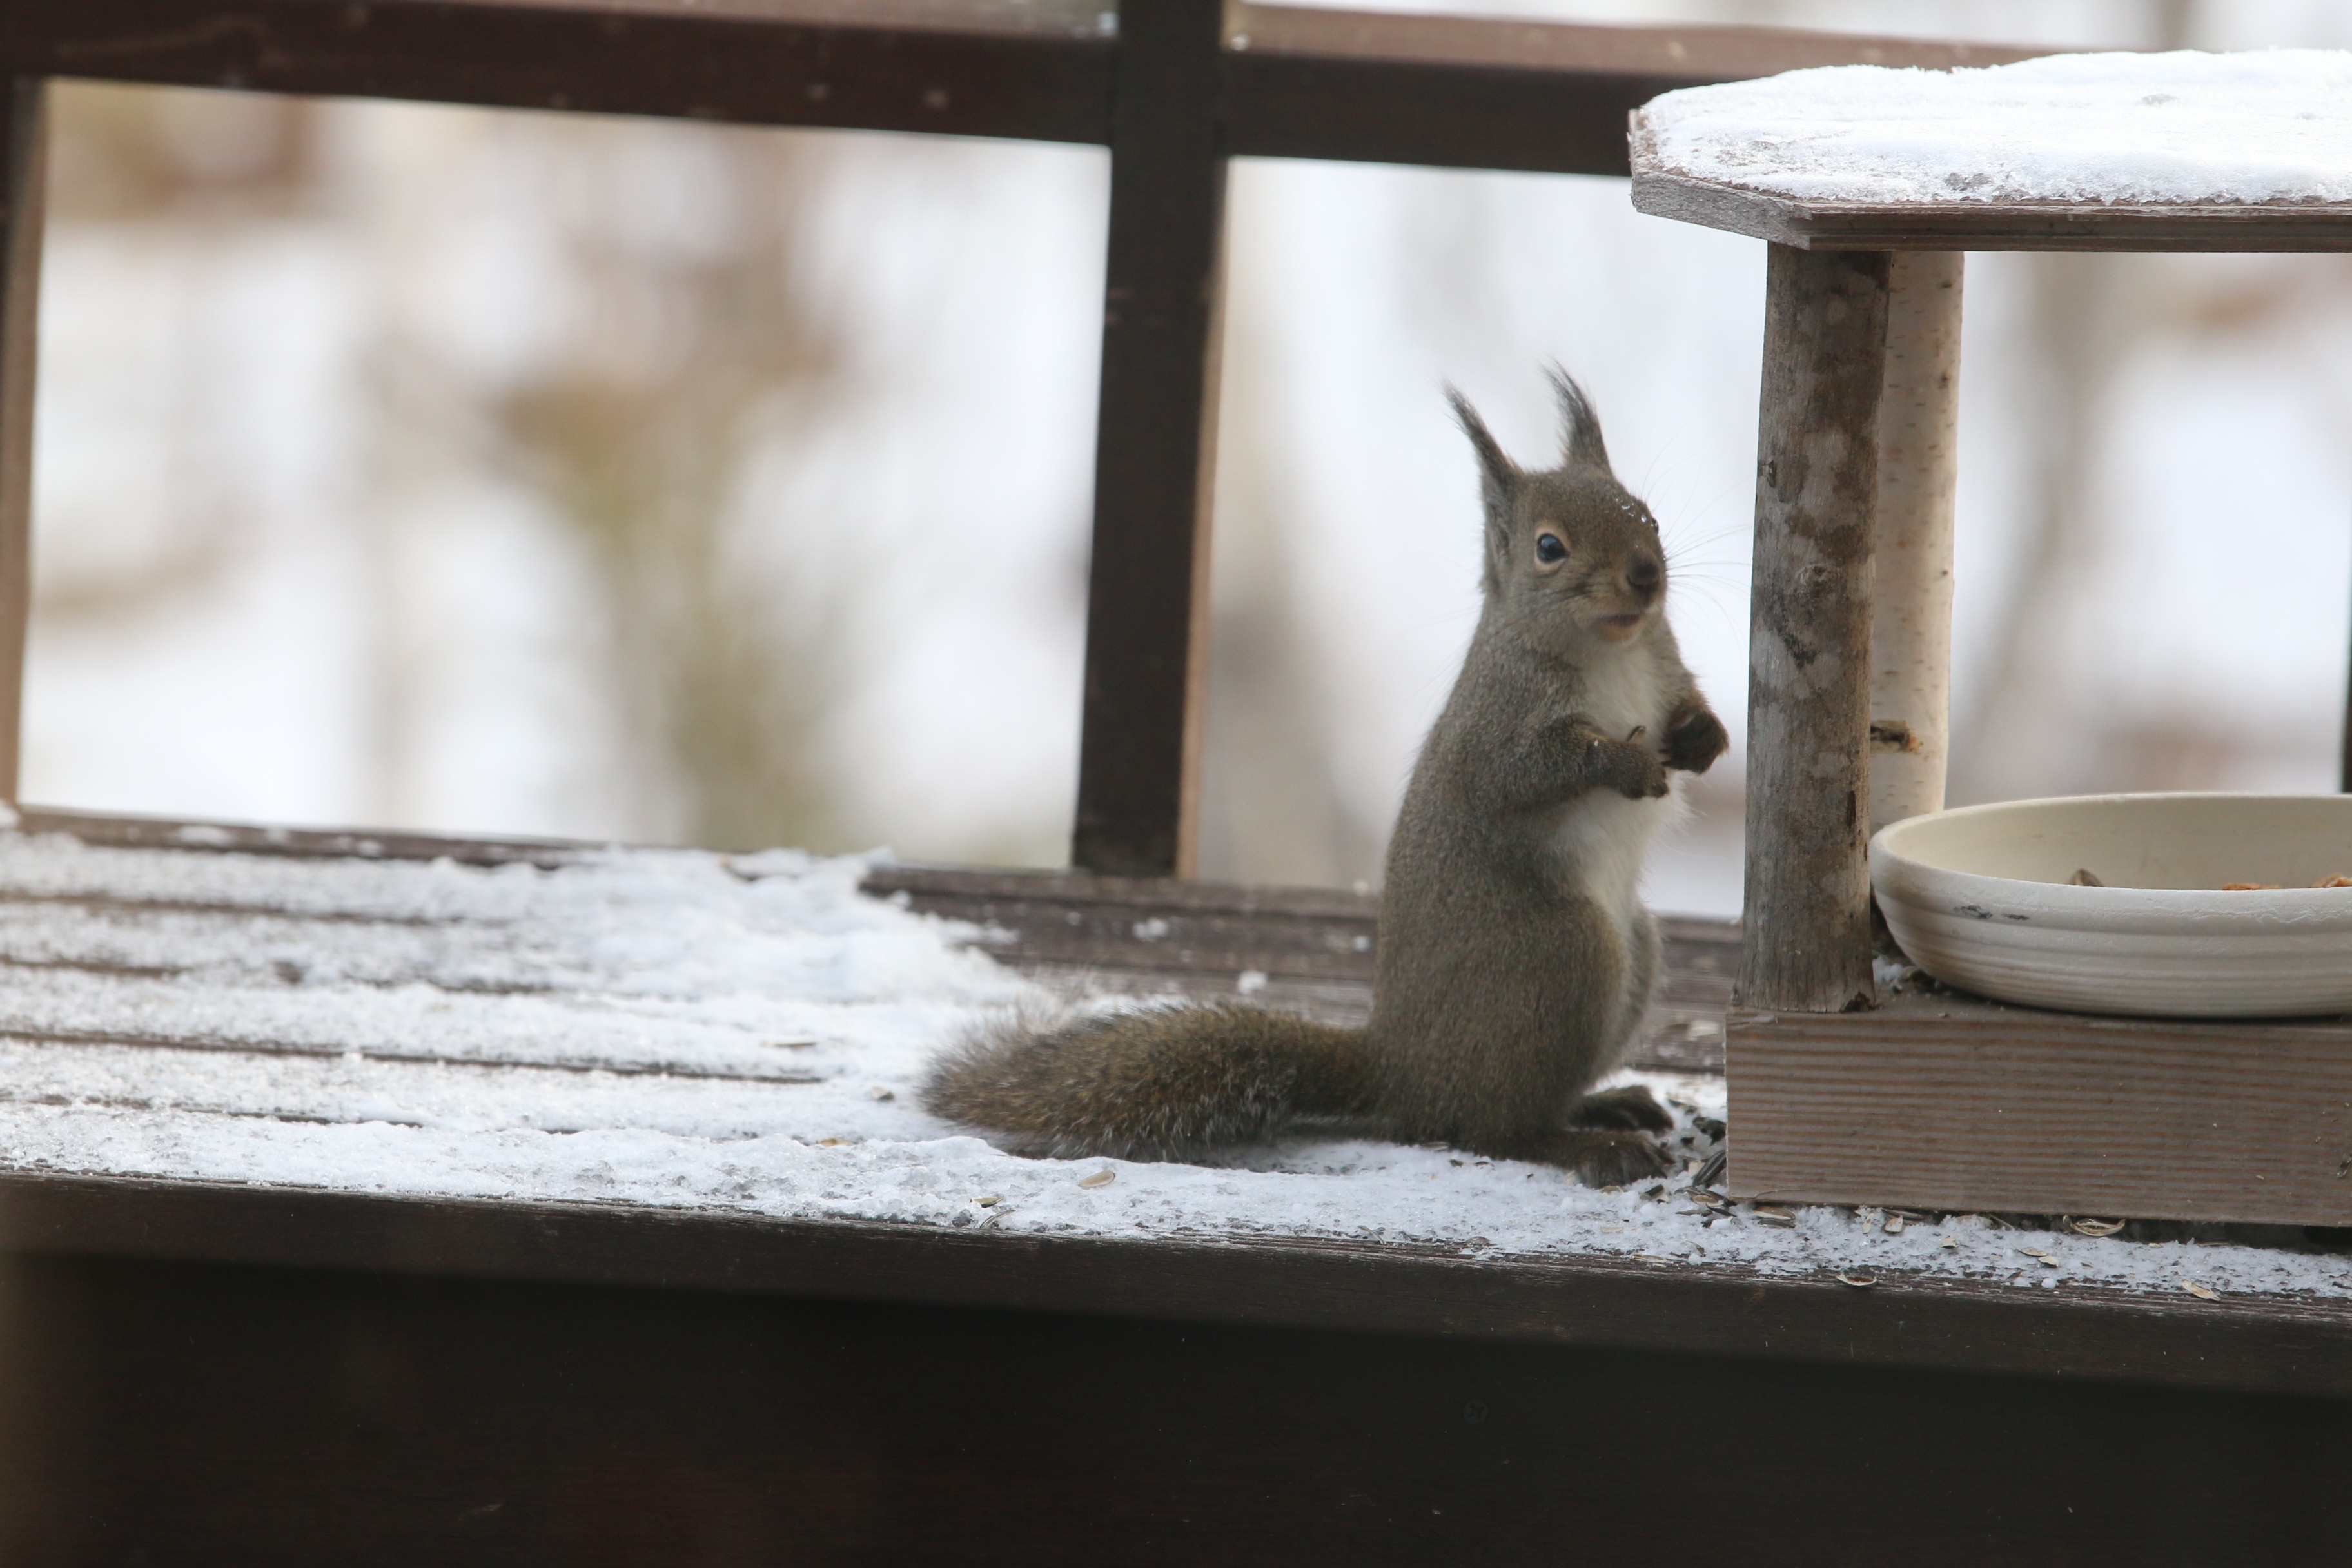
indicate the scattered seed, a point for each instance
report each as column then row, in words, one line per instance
column 1951, row 1241
column 2202, row 1292
column 1656, row 1193
column 1653, row 1256
column 1772, row 1216
column 1613, row 1187
column 2085, row 878
column 1914, row 1216
column 2046, row 1260
column 830, row 1142
column 2098, row 1226
column 788, row 1044
column 2250, row 887
column 2334, row 882
column 1702, row 1195
column 1441, row 1148
column 989, row 1200
column 1858, row 1281
column 878, row 1092
column 1895, row 1222
column 1099, row 1179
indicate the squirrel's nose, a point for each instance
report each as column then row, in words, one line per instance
column 1643, row 577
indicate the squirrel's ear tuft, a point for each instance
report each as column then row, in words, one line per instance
column 1580, row 427
column 1498, row 475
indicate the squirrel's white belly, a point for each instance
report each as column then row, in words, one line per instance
column 1603, row 839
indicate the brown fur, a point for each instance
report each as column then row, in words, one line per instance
column 1514, row 965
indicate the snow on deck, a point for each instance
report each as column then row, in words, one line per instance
column 739, row 1034
column 2184, row 127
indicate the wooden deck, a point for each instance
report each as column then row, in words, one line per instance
column 499, row 1369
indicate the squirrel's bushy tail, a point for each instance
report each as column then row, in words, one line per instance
column 1154, row 1084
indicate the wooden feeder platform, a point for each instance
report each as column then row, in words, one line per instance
column 1940, row 1099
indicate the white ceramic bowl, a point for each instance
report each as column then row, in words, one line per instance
column 1981, row 899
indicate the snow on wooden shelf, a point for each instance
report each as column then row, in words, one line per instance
column 2180, row 150
column 738, row 1038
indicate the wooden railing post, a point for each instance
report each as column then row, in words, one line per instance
column 23, row 140
column 1805, row 940
column 1147, row 585
column 1918, row 469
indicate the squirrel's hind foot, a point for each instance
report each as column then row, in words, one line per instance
column 1601, row 1157
column 1632, row 1109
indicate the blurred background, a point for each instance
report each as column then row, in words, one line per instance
column 495, row 472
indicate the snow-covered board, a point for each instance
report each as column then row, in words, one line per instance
column 2184, row 150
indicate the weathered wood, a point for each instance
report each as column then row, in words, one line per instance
column 187, row 1414
column 1806, row 937
column 1987, row 226
column 1911, row 595
column 1948, row 1102
column 24, row 140
column 1148, row 588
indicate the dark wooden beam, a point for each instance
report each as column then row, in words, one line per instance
column 1147, row 602
column 2272, row 1344
column 1454, row 91
column 23, row 145
column 1482, row 93
column 1805, row 937
column 186, row 1414
column 973, row 68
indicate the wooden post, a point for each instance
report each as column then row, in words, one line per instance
column 23, row 140
column 1918, row 464
column 1805, row 941
column 1146, row 605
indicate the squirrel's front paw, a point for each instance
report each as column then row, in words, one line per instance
column 1694, row 739
column 1632, row 771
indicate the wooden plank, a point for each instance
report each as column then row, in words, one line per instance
column 1148, row 587
column 119, row 831
column 1947, row 1102
column 1806, row 942
column 1911, row 591
column 24, row 141
column 1987, row 226
column 1489, row 93
column 978, row 68
column 2272, row 1346
column 186, row 1414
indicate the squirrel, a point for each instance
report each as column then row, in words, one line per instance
column 1515, row 959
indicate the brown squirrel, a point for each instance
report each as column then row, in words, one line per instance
column 1515, row 958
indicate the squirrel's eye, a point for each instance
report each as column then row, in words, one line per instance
column 1548, row 547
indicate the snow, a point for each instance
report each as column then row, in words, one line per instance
column 689, row 1030
column 2189, row 127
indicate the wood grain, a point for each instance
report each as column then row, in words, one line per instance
column 1950, row 1103
column 23, row 143
column 1806, row 942
column 1984, row 226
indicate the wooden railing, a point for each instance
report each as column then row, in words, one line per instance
column 1173, row 87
